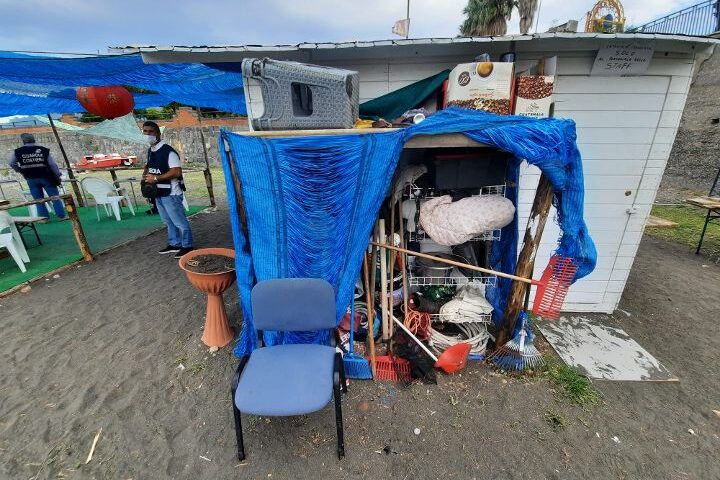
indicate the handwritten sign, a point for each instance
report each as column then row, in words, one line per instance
column 623, row 58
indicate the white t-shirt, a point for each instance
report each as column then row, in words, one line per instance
column 173, row 162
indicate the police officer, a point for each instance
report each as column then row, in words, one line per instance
column 36, row 165
column 163, row 169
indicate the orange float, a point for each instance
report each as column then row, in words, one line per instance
column 107, row 102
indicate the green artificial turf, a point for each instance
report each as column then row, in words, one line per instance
column 59, row 247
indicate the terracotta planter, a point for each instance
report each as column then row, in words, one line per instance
column 217, row 332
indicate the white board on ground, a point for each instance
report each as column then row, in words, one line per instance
column 602, row 352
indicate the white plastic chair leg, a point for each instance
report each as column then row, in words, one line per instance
column 17, row 239
column 185, row 203
column 130, row 205
column 107, row 209
column 116, row 210
column 97, row 212
column 7, row 241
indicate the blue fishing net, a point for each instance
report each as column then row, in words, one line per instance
column 311, row 202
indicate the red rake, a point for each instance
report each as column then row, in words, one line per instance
column 553, row 287
column 392, row 368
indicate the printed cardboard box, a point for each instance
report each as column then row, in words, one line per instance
column 533, row 92
column 483, row 86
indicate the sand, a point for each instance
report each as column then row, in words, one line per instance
column 115, row 344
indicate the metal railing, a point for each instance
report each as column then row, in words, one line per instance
column 698, row 20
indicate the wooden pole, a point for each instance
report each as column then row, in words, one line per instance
column 71, row 175
column 526, row 259
column 206, row 172
column 453, row 263
column 383, row 282
column 370, row 316
column 77, row 227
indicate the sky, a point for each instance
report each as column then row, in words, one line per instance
column 84, row 26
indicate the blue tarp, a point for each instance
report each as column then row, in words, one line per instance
column 37, row 85
column 311, row 202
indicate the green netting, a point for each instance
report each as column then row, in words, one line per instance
column 59, row 247
column 396, row 103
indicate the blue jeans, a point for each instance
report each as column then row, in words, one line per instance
column 36, row 190
column 172, row 214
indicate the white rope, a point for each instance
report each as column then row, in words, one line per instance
column 475, row 334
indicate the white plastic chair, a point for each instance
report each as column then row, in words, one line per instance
column 104, row 193
column 12, row 241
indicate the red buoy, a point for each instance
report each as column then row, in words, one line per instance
column 107, row 102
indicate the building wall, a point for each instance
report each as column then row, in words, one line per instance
column 626, row 127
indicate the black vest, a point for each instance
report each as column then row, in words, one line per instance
column 32, row 160
column 157, row 164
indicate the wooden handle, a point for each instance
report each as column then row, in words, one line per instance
column 456, row 264
column 526, row 259
column 370, row 316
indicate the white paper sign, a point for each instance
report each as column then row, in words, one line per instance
column 623, row 58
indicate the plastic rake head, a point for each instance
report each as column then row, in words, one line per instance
column 553, row 287
column 518, row 354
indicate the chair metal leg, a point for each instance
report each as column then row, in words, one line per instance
column 338, row 408
column 36, row 233
column 702, row 235
column 238, row 430
column 343, row 378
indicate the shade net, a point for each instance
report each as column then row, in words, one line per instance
column 36, row 85
column 310, row 202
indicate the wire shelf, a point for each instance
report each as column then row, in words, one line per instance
column 430, row 192
column 489, row 236
column 451, row 318
column 416, row 281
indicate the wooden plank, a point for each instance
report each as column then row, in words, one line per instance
column 616, row 102
column 605, row 118
column 611, row 85
column 711, row 203
column 670, row 119
column 613, row 152
column 675, row 101
column 615, row 136
column 419, row 141
column 658, row 222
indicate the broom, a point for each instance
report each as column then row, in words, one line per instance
column 356, row 366
column 519, row 353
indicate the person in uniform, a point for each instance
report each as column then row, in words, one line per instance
column 36, row 164
column 164, row 171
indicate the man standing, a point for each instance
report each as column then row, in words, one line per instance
column 163, row 169
column 36, row 165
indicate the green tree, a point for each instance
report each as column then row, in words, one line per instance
column 490, row 17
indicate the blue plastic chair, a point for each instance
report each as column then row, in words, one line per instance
column 287, row 380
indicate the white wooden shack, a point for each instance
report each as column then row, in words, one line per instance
column 626, row 125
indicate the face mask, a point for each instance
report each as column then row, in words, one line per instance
column 151, row 139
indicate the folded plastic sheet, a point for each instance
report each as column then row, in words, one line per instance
column 311, row 202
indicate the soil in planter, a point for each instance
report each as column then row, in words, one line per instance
column 210, row 263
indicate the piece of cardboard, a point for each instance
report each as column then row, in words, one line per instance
column 534, row 92
column 482, row 86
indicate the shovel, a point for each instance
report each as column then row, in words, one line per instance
column 451, row 360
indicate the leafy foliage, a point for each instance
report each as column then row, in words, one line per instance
column 490, row 17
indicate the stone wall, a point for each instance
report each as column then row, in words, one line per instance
column 695, row 156
column 183, row 133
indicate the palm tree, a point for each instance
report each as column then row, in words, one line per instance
column 490, row 17
column 486, row 17
column 526, row 9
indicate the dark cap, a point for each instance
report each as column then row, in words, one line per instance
column 27, row 138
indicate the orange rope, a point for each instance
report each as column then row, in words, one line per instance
column 418, row 323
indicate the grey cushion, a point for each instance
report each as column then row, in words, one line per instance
column 286, row 380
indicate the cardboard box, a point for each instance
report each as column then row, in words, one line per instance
column 483, row 86
column 533, row 92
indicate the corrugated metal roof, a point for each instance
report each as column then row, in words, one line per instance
column 403, row 42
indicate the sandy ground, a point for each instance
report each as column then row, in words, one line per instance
column 101, row 347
